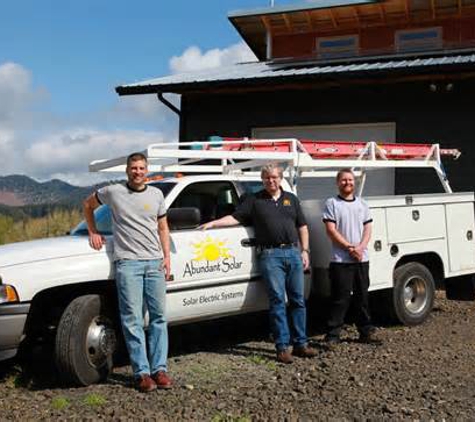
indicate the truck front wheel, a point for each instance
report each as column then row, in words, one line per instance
column 85, row 341
column 413, row 293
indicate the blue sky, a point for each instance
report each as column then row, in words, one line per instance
column 61, row 60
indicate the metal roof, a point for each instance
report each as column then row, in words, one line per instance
column 289, row 8
column 259, row 72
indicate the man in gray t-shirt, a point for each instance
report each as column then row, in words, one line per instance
column 348, row 224
column 142, row 264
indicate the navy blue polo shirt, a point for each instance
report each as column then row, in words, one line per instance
column 275, row 222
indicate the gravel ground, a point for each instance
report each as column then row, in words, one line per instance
column 225, row 371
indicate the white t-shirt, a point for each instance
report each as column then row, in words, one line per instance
column 349, row 217
column 135, row 217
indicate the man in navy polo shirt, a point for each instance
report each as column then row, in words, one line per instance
column 280, row 228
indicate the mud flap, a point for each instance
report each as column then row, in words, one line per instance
column 460, row 288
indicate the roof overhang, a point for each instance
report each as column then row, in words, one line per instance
column 258, row 76
column 254, row 25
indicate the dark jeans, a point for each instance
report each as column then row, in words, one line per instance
column 345, row 279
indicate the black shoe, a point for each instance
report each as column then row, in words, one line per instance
column 370, row 338
column 332, row 339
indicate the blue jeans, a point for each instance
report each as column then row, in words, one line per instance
column 282, row 269
column 140, row 281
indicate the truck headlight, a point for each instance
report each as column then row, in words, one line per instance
column 8, row 294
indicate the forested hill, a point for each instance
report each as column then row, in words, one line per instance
column 19, row 191
column 32, row 210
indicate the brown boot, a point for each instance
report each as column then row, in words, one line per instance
column 304, row 352
column 145, row 384
column 162, row 380
column 284, row 356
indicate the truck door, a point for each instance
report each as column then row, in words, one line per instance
column 212, row 269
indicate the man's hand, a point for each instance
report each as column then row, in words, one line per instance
column 96, row 241
column 206, row 226
column 356, row 252
column 166, row 267
column 305, row 259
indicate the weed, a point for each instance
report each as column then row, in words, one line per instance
column 94, row 400
column 222, row 417
column 59, row 403
column 261, row 360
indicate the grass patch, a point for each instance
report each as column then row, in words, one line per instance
column 94, row 400
column 222, row 417
column 261, row 360
column 59, row 403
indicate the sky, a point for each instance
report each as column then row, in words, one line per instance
column 60, row 62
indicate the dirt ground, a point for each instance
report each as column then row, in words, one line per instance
column 225, row 371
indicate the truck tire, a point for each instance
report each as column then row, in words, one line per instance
column 85, row 341
column 413, row 293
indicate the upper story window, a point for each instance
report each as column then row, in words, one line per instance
column 418, row 39
column 341, row 46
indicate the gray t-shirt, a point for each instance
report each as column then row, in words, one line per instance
column 349, row 217
column 134, row 220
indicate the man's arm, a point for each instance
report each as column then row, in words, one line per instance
column 303, row 237
column 367, row 231
column 227, row 220
column 164, row 235
column 96, row 240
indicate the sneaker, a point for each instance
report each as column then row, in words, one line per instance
column 162, row 380
column 304, row 352
column 369, row 338
column 284, row 356
column 145, row 384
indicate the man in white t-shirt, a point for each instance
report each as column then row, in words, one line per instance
column 348, row 224
column 141, row 242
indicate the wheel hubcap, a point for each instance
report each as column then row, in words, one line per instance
column 100, row 341
column 415, row 294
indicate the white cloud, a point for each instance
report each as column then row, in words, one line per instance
column 194, row 59
column 44, row 145
column 70, row 152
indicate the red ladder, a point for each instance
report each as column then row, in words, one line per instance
column 340, row 149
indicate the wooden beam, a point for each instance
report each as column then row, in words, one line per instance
column 287, row 21
column 432, row 6
column 357, row 16
column 308, row 16
column 334, row 21
column 382, row 13
column 266, row 23
column 407, row 9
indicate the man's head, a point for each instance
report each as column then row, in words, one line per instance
column 136, row 169
column 271, row 176
column 345, row 180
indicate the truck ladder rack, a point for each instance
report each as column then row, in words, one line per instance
column 300, row 157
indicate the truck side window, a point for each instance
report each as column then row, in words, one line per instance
column 213, row 199
column 249, row 188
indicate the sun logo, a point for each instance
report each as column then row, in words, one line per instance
column 210, row 250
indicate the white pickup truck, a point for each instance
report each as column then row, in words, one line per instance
column 62, row 291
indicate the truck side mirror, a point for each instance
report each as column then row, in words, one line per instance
column 183, row 218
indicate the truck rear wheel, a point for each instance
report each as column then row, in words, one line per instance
column 413, row 293
column 85, row 341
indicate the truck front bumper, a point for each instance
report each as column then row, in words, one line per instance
column 12, row 326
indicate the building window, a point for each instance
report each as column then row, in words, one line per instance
column 418, row 39
column 343, row 46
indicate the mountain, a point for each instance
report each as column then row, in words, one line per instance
column 19, row 191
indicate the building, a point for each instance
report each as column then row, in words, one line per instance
column 394, row 70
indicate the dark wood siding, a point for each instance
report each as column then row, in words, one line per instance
column 420, row 115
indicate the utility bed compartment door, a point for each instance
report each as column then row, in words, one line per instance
column 415, row 223
column 460, row 232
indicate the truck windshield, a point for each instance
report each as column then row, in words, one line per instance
column 102, row 214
